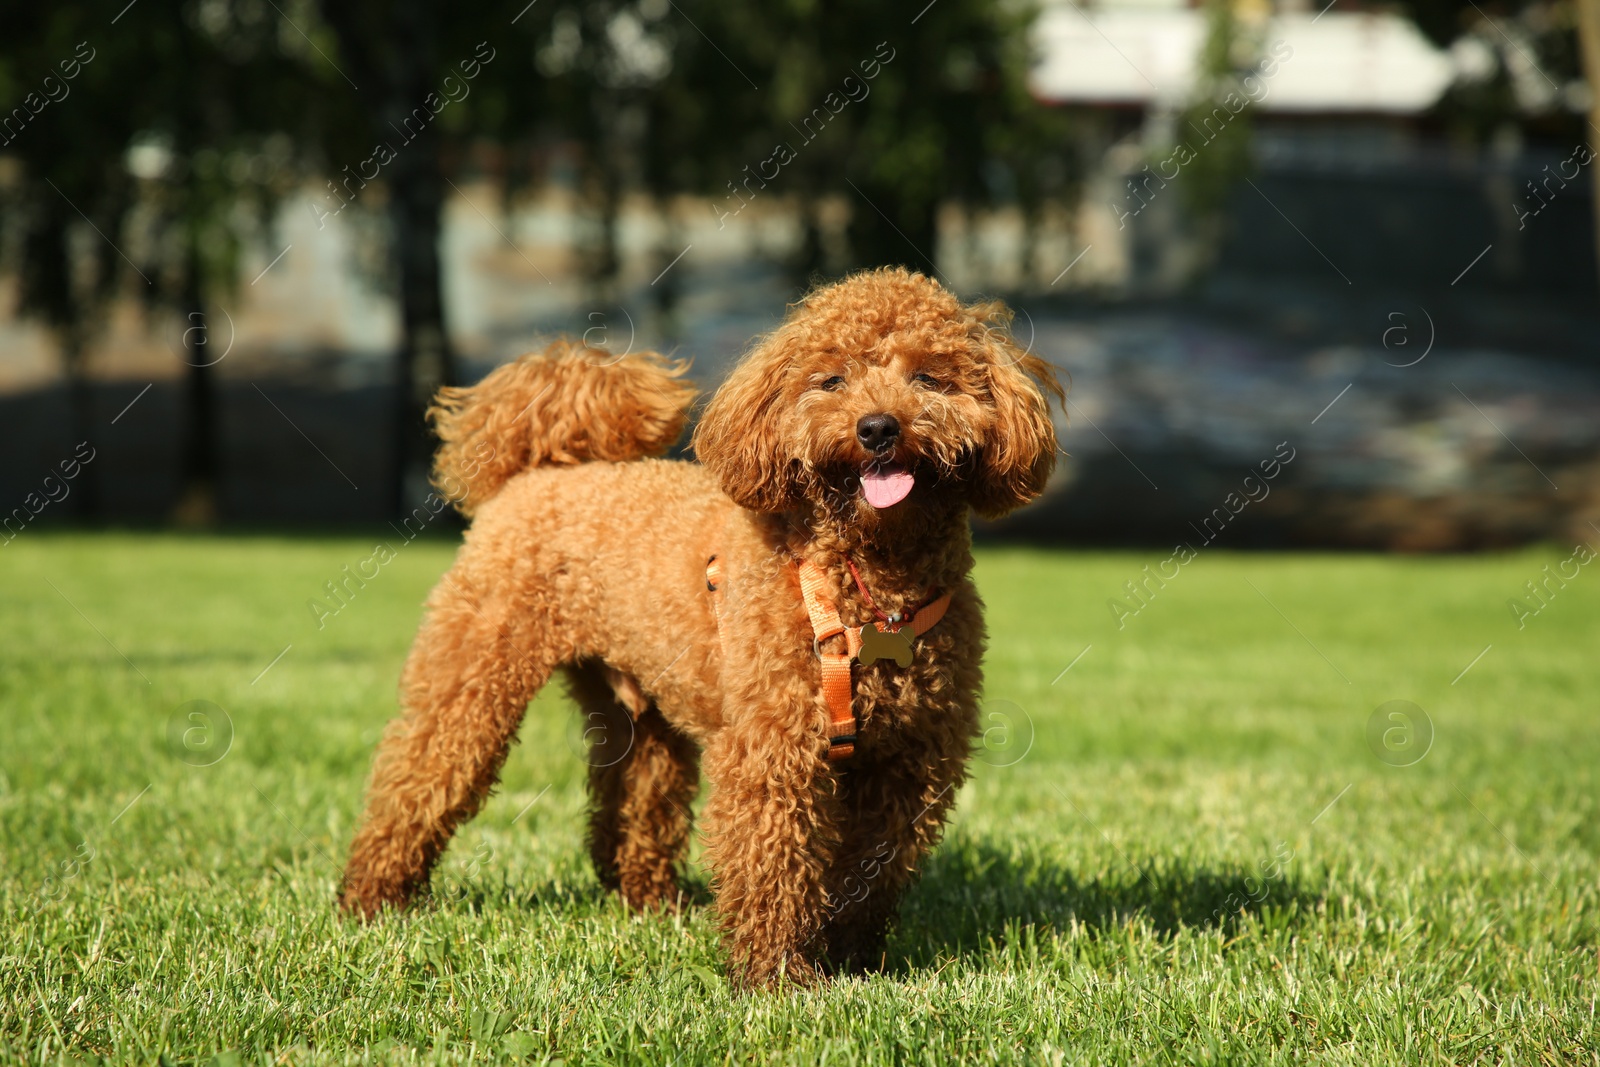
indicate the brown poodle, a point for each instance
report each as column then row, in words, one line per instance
column 850, row 444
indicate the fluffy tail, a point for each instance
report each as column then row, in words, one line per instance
column 568, row 404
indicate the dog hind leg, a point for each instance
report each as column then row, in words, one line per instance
column 475, row 665
column 643, row 776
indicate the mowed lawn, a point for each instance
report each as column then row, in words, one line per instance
column 1184, row 849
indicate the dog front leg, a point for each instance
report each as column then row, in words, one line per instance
column 897, row 811
column 771, row 828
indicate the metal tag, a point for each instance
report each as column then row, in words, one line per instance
column 879, row 644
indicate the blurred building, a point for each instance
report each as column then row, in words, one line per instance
column 1347, row 146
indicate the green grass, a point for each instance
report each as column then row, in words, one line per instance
column 1144, row 868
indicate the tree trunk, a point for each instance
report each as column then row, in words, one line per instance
column 425, row 361
column 80, row 398
column 49, row 288
column 606, row 265
column 416, row 186
column 197, row 500
column 886, row 230
column 606, row 166
column 667, row 290
column 1589, row 39
column 393, row 51
column 1028, row 253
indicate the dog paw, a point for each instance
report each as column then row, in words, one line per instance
column 788, row 973
column 369, row 903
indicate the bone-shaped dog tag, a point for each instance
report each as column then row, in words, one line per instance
column 879, row 644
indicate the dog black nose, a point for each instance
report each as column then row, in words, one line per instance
column 877, row 433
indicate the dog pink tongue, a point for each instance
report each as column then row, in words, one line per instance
column 886, row 486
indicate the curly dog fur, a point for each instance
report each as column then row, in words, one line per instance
column 588, row 557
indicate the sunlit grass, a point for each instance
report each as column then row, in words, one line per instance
column 1182, row 849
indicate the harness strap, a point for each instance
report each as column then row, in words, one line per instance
column 838, row 691
column 714, row 587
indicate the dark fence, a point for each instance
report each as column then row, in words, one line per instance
column 1420, row 225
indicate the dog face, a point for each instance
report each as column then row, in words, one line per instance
column 877, row 394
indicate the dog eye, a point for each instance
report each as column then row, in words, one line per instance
column 832, row 384
column 926, row 379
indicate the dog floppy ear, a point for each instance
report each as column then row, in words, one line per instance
column 1019, row 450
column 740, row 437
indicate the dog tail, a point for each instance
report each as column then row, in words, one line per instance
column 568, row 404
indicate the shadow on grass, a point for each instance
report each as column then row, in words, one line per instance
column 974, row 896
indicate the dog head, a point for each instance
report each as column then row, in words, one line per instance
column 880, row 395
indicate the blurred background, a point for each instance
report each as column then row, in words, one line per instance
column 243, row 241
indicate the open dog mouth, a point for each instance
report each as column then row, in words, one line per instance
column 885, row 483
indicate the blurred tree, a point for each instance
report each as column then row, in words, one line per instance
column 184, row 123
column 893, row 110
column 951, row 91
column 1226, row 56
column 65, row 282
column 1213, row 134
column 607, row 65
column 393, row 49
column 149, row 147
column 1540, row 70
column 1589, row 37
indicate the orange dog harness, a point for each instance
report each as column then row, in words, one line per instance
column 891, row 639
column 868, row 643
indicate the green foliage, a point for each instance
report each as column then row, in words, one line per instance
column 223, row 106
column 1534, row 42
column 1179, row 851
column 694, row 97
column 1222, row 149
column 184, row 111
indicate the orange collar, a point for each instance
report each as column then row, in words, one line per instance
column 867, row 643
